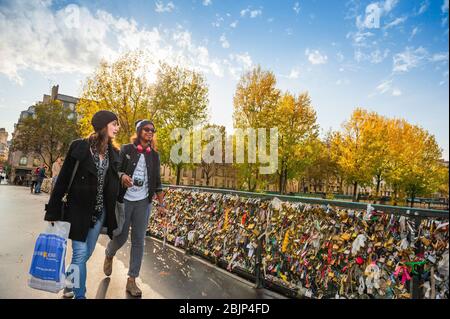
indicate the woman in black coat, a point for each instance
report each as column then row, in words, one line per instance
column 92, row 196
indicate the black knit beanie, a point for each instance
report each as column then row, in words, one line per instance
column 102, row 118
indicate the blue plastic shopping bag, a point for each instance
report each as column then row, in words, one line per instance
column 47, row 270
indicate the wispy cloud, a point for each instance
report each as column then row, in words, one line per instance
column 207, row 2
column 413, row 33
column 224, row 41
column 444, row 7
column 386, row 87
column 315, row 57
column 395, row 22
column 295, row 73
column 423, row 7
column 411, row 58
column 61, row 41
column 296, row 8
column 217, row 23
column 252, row 13
column 408, row 59
column 160, row 7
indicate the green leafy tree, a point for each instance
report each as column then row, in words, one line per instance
column 48, row 133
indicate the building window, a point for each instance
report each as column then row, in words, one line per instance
column 36, row 162
column 23, row 161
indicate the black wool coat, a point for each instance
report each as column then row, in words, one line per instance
column 129, row 157
column 82, row 195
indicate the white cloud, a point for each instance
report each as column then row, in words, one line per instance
column 374, row 56
column 218, row 21
column 296, row 8
column 294, row 74
column 414, row 33
column 160, row 7
column 340, row 57
column 439, row 57
column 389, row 5
column 234, row 24
column 444, row 7
column 224, row 41
column 74, row 40
column 207, row 2
column 251, row 13
column 255, row 13
column 377, row 56
column 409, row 59
column 395, row 22
column 238, row 63
column 386, row 87
column 423, row 7
column 396, row 92
column 343, row 82
column 315, row 57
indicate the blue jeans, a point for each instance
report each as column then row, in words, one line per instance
column 80, row 255
column 37, row 189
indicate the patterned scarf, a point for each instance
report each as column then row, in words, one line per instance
column 101, row 167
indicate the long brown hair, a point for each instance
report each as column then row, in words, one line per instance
column 100, row 141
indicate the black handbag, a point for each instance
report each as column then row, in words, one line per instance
column 64, row 198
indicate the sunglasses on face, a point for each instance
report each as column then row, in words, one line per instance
column 148, row 129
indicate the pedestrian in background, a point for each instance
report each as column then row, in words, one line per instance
column 56, row 168
column 40, row 179
column 34, row 178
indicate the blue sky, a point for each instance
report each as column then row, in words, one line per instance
column 389, row 56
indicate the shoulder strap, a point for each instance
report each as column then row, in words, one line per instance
column 64, row 199
column 73, row 175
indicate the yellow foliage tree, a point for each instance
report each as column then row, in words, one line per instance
column 255, row 101
column 120, row 87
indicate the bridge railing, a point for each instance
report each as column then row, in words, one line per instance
column 255, row 271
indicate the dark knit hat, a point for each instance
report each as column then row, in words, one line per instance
column 102, row 118
column 141, row 123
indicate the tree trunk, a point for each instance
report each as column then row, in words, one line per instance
column 285, row 180
column 280, row 178
column 178, row 174
column 413, row 196
column 378, row 188
column 355, row 189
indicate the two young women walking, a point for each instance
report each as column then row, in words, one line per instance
column 103, row 175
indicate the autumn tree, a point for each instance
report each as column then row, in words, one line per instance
column 255, row 100
column 120, row 87
column 414, row 161
column 351, row 150
column 209, row 134
column 319, row 165
column 296, row 122
column 180, row 100
column 48, row 133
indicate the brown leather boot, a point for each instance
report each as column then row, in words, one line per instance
column 133, row 289
column 107, row 265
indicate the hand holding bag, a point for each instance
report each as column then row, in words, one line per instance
column 47, row 270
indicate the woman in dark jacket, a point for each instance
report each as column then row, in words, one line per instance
column 139, row 172
column 92, row 196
